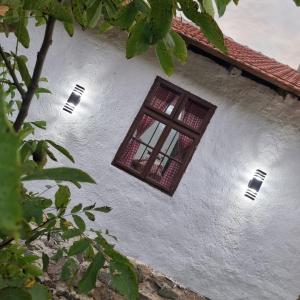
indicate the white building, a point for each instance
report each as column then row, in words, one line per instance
column 243, row 109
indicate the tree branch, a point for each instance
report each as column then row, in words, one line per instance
column 41, row 56
column 8, row 241
column 7, row 82
column 5, row 243
column 12, row 73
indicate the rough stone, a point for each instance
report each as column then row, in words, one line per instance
column 167, row 292
column 104, row 277
column 103, row 292
column 152, row 285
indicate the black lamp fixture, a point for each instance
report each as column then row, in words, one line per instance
column 255, row 184
column 74, row 99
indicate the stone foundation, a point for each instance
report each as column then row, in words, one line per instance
column 152, row 285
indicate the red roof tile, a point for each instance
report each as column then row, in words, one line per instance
column 244, row 58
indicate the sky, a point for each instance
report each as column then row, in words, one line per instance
column 268, row 26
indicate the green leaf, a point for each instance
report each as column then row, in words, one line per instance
column 126, row 16
column 142, row 6
column 221, row 5
column 180, row 49
column 90, row 3
column 22, row 33
column 33, row 208
column 124, row 278
column 165, row 57
column 71, row 233
column 68, row 269
column 40, row 154
column 79, row 222
column 40, row 124
column 88, row 281
column 104, row 209
column 39, row 292
column 79, row 247
column 62, row 197
column 104, row 27
column 90, row 216
column 94, row 13
column 11, row 293
column 23, row 133
column 34, row 4
column 69, row 27
column 58, row 11
column 211, row 30
column 60, row 174
column 41, row 90
column 58, row 255
column 61, row 149
column 297, row 2
column 89, row 253
column 161, row 18
column 10, row 171
column 76, row 208
column 209, row 8
column 139, row 39
column 123, row 275
column 207, row 23
column 25, row 230
column 79, row 12
column 45, row 259
column 51, row 155
column 21, row 61
column 89, row 207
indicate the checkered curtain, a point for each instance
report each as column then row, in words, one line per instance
column 193, row 115
column 161, row 100
column 183, row 143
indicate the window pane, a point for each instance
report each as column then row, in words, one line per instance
column 138, row 151
column 164, row 170
column 164, row 100
column 176, row 145
column 193, row 114
column 149, row 130
column 172, row 155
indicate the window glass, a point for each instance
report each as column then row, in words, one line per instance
column 138, row 151
column 164, row 100
column 170, row 158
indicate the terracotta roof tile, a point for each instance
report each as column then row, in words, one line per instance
column 245, row 58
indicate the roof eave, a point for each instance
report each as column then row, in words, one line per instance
column 273, row 80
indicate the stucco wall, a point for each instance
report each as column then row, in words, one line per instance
column 208, row 236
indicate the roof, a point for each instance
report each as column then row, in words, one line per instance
column 253, row 62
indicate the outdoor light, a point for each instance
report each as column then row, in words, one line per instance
column 255, row 184
column 74, row 99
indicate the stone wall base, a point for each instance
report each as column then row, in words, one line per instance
column 152, row 285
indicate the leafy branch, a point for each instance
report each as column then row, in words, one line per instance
column 41, row 56
column 12, row 73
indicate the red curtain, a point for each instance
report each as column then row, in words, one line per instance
column 183, row 144
column 161, row 100
column 193, row 115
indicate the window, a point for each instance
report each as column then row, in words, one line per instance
column 164, row 135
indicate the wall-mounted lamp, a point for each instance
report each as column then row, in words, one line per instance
column 255, row 184
column 74, row 99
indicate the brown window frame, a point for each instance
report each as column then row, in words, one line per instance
column 170, row 122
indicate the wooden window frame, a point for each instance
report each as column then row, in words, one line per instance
column 170, row 122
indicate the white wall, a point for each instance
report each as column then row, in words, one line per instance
column 208, row 236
